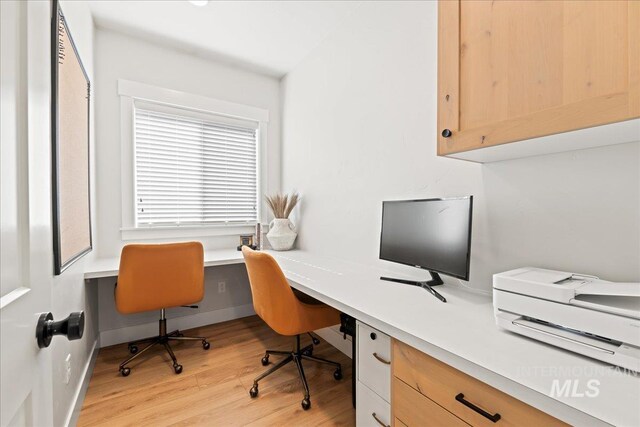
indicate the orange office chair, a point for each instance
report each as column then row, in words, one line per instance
column 276, row 303
column 154, row 277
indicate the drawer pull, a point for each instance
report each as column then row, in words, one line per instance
column 378, row 420
column 381, row 359
column 495, row 417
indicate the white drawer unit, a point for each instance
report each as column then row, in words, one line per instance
column 371, row 410
column 374, row 360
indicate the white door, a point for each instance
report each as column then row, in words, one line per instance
column 26, row 254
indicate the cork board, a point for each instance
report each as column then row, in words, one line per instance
column 70, row 147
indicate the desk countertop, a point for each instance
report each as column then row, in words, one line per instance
column 461, row 333
column 108, row 267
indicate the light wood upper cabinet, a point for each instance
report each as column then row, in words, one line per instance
column 516, row 70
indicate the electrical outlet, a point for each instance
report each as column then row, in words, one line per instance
column 67, row 369
column 222, row 287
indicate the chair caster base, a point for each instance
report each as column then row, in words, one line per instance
column 306, row 403
column 296, row 356
column 163, row 339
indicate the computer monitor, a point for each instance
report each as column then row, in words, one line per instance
column 431, row 234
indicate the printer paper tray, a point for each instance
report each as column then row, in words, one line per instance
column 615, row 353
column 596, row 323
column 563, row 334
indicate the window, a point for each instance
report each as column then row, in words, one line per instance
column 193, row 168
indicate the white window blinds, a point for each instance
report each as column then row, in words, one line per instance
column 193, row 169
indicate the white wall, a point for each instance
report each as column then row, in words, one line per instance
column 123, row 57
column 69, row 291
column 359, row 126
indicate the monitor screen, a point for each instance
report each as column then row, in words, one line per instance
column 433, row 234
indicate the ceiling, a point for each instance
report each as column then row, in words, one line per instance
column 271, row 37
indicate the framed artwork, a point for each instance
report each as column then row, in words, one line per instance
column 70, row 134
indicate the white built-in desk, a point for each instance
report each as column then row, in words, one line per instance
column 108, row 267
column 461, row 333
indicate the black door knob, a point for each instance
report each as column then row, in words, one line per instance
column 72, row 327
column 446, row 133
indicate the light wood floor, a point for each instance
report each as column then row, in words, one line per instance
column 214, row 387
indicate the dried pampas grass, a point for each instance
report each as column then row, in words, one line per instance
column 282, row 204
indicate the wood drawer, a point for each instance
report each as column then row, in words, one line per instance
column 413, row 409
column 442, row 383
column 374, row 355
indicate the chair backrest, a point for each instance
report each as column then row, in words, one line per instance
column 273, row 299
column 152, row 277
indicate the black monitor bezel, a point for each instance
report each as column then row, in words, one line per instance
column 470, row 198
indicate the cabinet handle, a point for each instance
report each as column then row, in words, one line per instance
column 446, row 133
column 378, row 420
column 493, row 417
column 381, row 359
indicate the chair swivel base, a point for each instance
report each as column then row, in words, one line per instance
column 163, row 339
column 296, row 356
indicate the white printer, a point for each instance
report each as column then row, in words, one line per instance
column 576, row 312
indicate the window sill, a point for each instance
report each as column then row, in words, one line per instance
column 143, row 233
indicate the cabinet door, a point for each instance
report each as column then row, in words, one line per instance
column 514, row 70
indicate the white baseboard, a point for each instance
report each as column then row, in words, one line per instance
column 334, row 337
column 132, row 333
column 81, row 392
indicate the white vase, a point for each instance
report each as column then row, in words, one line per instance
column 281, row 234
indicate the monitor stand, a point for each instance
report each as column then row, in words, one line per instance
column 427, row 285
column 435, row 280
